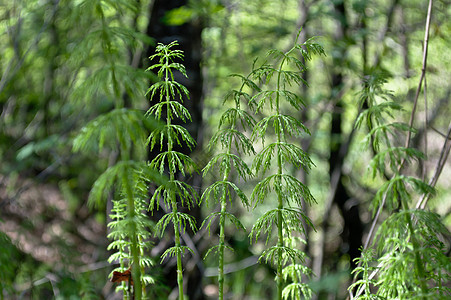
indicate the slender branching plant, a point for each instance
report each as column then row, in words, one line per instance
column 107, row 44
column 170, row 94
column 409, row 248
column 123, row 130
column 364, row 269
column 276, row 157
column 296, row 274
column 121, row 242
column 231, row 138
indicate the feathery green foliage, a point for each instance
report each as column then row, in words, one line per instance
column 123, row 130
column 285, row 71
column 170, row 95
column 106, row 41
column 129, row 127
column 409, row 249
column 120, row 231
column 296, row 273
column 364, row 271
column 129, row 179
column 65, row 62
column 230, row 136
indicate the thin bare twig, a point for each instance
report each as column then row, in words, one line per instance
column 426, row 121
column 423, row 74
column 438, row 170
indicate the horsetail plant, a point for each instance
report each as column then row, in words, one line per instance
column 121, row 243
column 123, row 130
column 408, row 250
column 233, row 141
column 284, row 72
column 170, row 96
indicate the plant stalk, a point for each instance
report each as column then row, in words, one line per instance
column 221, row 248
column 173, row 200
column 419, row 270
column 177, row 246
column 280, row 199
column 222, row 225
column 136, row 271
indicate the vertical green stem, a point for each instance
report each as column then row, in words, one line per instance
column 222, row 224
column 280, row 199
column 177, row 245
column 141, row 254
column 419, row 270
column 221, row 248
column 279, row 231
column 280, row 245
column 173, row 198
column 134, row 246
column 136, row 271
column 223, row 202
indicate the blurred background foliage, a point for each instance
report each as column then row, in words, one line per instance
column 63, row 63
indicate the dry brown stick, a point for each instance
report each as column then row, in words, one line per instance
column 423, row 74
column 438, row 170
column 426, row 121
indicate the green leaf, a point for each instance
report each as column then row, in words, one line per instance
column 288, row 153
column 264, row 225
column 226, row 161
column 215, row 249
column 286, row 125
column 271, row 255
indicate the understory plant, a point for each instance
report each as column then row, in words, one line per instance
column 231, row 138
column 119, row 234
column 169, row 95
column 120, row 133
column 280, row 75
column 407, row 259
column 126, row 131
column 123, row 130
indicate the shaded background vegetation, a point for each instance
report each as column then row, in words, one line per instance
column 65, row 62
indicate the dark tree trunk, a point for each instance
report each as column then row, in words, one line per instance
column 188, row 36
column 349, row 207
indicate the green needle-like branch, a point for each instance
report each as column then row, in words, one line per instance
column 287, row 71
column 170, row 95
